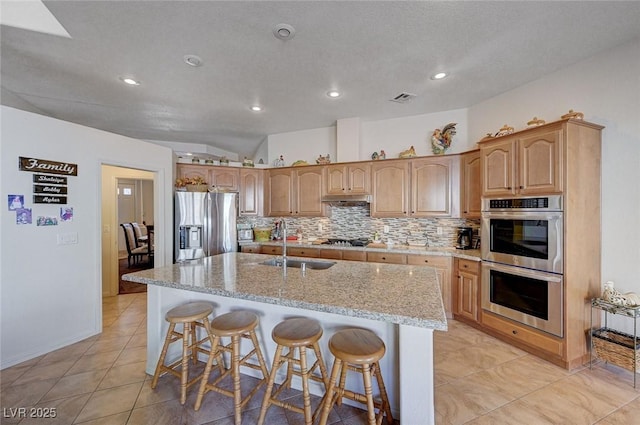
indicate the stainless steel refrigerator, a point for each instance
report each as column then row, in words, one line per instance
column 205, row 224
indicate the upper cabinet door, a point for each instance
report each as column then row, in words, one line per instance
column 359, row 178
column 471, row 185
column 336, row 179
column 390, row 189
column 225, row 178
column 251, row 192
column 280, row 189
column 540, row 164
column 431, row 186
column 308, row 190
column 498, row 171
column 190, row 171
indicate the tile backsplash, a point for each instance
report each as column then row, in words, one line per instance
column 356, row 222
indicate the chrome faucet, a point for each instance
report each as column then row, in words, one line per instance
column 283, row 228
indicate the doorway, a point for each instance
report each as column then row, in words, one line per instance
column 136, row 207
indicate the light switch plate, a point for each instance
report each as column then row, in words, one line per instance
column 68, row 238
column 385, row 229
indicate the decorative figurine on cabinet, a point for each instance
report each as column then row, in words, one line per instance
column 441, row 139
column 323, row 159
column 382, row 154
column 279, row 162
column 375, row 156
column 409, row 153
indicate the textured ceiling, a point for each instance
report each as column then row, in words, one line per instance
column 371, row 51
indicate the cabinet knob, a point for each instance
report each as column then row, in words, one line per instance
column 384, row 258
column 343, row 188
column 413, row 212
column 426, row 261
column 515, row 332
column 509, row 187
column 465, row 266
column 521, row 187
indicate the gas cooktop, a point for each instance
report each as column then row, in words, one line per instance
column 348, row 242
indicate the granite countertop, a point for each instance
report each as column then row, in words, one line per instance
column 401, row 294
column 467, row 254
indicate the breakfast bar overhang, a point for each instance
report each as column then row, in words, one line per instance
column 402, row 304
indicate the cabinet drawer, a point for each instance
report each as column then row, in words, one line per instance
column 383, row 257
column 523, row 334
column 275, row 250
column 429, row 260
column 334, row 254
column 354, row 255
column 256, row 249
column 303, row 252
column 469, row 266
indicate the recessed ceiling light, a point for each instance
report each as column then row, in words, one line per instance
column 256, row 108
column 130, row 81
column 284, row 31
column 333, row 93
column 439, row 76
column 193, row 60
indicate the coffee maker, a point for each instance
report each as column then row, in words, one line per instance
column 465, row 237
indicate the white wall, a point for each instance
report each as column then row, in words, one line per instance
column 398, row 134
column 51, row 294
column 305, row 145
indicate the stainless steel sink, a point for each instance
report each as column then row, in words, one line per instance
column 315, row 265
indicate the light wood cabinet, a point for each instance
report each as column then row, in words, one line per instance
column 295, row 192
column 333, row 254
column 524, row 163
column 225, row 178
column 252, row 249
column 442, row 264
column 559, row 157
column 390, row 188
column 435, row 186
column 471, row 185
column 271, row 249
column 251, row 192
column 303, row 252
column 351, row 179
column 384, row 257
column 354, row 255
column 466, row 302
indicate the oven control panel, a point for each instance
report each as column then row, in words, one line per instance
column 543, row 203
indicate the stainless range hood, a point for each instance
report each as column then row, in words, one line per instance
column 347, row 200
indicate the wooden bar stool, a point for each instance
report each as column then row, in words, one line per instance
column 191, row 315
column 298, row 334
column 234, row 325
column 357, row 350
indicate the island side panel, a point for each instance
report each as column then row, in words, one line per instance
column 416, row 375
column 162, row 299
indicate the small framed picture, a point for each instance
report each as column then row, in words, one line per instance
column 66, row 213
column 47, row 221
column 16, row 202
column 23, row 216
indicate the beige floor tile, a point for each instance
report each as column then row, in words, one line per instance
column 71, row 385
column 627, row 414
column 72, row 351
column 125, row 374
column 117, row 419
column 515, row 413
column 45, row 371
column 109, row 402
column 165, row 413
column 109, row 342
column 165, row 390
column 64, row 411
column 25, row 395
column 132, row 355
column 94, row 362
column 466, row 399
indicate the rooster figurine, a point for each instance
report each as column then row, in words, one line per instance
column 441, row 139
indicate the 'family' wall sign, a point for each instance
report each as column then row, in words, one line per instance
column 50, row 167
column 48, row 189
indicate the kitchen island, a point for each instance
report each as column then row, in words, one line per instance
column 402, row 304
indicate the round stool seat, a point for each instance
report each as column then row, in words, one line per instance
column 188, row 312
column 297, row 332
column 234, row 323
column 358, row 346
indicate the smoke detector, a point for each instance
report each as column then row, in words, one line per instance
column 403, row 97
column 284, row 31
column 193, row 60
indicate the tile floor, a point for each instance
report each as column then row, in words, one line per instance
column 479, row 380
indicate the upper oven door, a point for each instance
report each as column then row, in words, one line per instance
column 524, row 238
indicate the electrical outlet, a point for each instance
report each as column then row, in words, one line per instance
column 320, row 227
column 385, row 229
column 440, row 230
column 67, row 238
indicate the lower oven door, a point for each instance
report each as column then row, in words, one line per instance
column 533, row 298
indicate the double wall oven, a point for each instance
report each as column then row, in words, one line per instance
column 522, row 253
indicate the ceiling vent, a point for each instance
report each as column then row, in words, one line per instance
column 403, row 98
